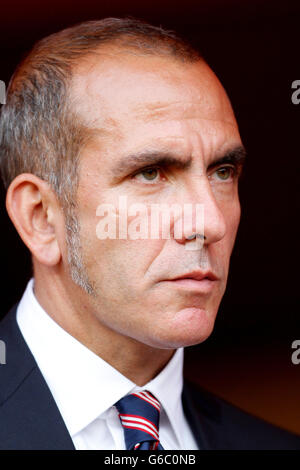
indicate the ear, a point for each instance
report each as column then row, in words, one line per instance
column 35, row 212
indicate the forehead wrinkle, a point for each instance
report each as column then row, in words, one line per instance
column 151, row 110
column 176, row 111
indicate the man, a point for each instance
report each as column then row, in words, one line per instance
column 102, row 114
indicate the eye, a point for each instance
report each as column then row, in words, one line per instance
column 225, row 173
column 148, row 175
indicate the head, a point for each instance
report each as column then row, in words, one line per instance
column 118, row 109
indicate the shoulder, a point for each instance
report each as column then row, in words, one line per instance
column 222, row 425
column 18, row 360
column 27, row 409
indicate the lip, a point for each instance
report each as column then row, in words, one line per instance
column 200, row 281
column 197, row 276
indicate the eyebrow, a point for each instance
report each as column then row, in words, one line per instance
column 164, row 159
column 235, row 156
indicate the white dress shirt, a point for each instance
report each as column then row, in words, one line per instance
column 85, row 387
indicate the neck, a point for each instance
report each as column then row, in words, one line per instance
column 135, row 360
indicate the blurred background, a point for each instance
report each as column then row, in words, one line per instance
column 253, row 46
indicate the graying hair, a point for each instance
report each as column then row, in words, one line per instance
column 40, row 133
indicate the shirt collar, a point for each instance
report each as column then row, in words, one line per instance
column 80, row 380
column 167, row 388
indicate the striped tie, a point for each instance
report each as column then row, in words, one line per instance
column 139, row 415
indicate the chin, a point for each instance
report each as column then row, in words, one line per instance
column 188, row 327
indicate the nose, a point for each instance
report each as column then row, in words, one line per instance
column 202, row 214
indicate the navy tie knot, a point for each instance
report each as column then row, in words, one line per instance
column 139, row 414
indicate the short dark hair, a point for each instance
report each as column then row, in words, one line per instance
column 40, row 133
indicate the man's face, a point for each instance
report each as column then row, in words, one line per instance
column 163, row 128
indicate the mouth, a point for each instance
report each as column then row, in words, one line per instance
column 199, row 281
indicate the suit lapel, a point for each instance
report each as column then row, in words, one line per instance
column 27, row 407
column 33, row 419
column 204, row 415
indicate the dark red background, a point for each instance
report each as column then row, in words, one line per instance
column 253, row 46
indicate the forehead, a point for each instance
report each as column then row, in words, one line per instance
column 140, row 98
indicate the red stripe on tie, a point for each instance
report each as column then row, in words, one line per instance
column 140, row 429
column 155, row 445
column 141, row 418
column 151, row 398
column 155, row 403
column 133, row 423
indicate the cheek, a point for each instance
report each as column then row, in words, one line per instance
column 232, row 224
column 234, row 219
column 231, row 211
column 224, row 247
column 119, row 264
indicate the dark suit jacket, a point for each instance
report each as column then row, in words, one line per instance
column 30, row 419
